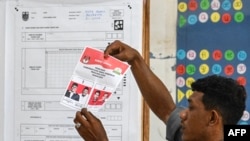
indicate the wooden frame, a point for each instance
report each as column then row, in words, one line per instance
column 145, row 53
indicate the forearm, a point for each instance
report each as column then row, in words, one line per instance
column 153, row 90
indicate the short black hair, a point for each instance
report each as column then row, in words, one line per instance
column 74, row 84
column 223, row 94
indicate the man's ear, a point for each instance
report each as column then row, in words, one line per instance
column 214, row 117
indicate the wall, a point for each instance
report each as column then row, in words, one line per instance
column 2, row 68
column 162, row 48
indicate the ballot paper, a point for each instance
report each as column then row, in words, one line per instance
column 93, row 81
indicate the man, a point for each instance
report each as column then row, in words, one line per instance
column 104, row 97
column 72, row 92
column 215, row 101
column 84, row 96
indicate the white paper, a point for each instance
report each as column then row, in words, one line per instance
column 2, row 66
column 44, row 42
column 94, row 80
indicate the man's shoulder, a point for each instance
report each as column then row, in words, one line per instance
column 174, row 125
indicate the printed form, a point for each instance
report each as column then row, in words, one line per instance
column 48, row 42
column 94, row 80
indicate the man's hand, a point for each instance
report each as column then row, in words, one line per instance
column 89, row 127
column 122, row 52
column 153, row 90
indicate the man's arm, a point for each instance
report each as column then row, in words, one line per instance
column 153, row 90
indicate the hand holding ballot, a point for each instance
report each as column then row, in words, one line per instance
column 89, row 127
column 93, row 81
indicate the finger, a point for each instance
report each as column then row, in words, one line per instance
column 76, row 117
column 76, row 121
column 80, row 119
column 83, row 111
column 112, row 48
column 116, row 53
column 88, row 115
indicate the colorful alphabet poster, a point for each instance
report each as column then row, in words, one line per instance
column 213, row 37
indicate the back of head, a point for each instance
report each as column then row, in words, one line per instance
column 223, row 94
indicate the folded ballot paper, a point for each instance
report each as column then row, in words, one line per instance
column 93, row 81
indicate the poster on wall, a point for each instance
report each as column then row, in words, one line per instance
column 212, row 38
column 44, row 43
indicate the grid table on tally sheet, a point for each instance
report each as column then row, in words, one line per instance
column 61, row 64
